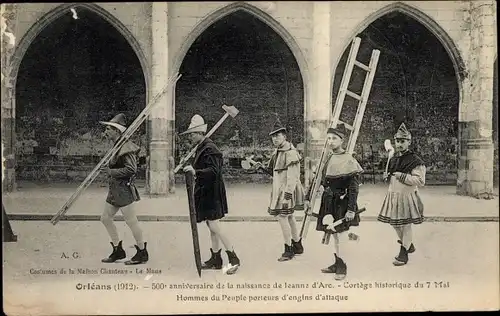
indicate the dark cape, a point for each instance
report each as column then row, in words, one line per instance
column 123, row 168
column 209, row 191
column 341, row 188
column 405, row 163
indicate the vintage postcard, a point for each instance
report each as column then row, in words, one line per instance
column 249, row 157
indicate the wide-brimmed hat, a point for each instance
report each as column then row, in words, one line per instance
column 119, row 122
column 197, row 125
column 402, row 133
column 277, row 127
column 339, row 130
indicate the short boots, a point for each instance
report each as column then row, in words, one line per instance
column 234, row 262
column 297, row 247
column 141, row 256
column 117, row 254
column 215, row 261
column 288, row 254
column 330, row 269
column 411, row 249
column 340, row 269
column 233, row 258
column 402, row 257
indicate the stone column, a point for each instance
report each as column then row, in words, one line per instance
column 9, row 16
column 161, row 118
column 319, row 98
column 475, row 176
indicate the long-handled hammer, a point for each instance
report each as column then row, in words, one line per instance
column 230, row 111
column 388, row 147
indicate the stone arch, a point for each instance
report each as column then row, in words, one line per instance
column 425, row 20
column 51, row 16
column 261, row 15
column 57, row 12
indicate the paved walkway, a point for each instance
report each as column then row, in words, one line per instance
column 247, row 202
column 456, row 263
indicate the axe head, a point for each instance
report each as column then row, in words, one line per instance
column 327, row 219
column 231, row 110
column 388, row 145
column 246, row 163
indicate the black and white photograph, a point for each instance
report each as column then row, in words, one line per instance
column 249, row 157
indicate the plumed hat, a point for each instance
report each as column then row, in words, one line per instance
column 197, row 125
column 402, row 133
column 278, row 127
column 119, row 122
column 339, row 130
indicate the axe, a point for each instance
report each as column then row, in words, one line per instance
column 328, row 220
column 248, row 163
column 388, row 147
column 230, row 111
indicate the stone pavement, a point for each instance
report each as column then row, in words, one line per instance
column 463, row 256
column 247, row 202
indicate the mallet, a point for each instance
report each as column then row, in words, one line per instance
column 230, row 111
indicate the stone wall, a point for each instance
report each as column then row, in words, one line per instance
column 75, row 73
column 415, row 83
column 454, row 23
column 262, row 81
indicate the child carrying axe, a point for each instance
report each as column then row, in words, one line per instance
column 287, row 194
column 340, row 194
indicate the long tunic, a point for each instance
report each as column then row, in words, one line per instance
column 123, row 168
column 341, row 187
column 209, row 190
column 402, row 204
column 284, row 166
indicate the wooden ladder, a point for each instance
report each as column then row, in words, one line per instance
column 116, row 147
column 335, row 118
column 362, row 99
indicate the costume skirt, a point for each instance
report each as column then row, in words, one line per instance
column 335, row 205
column 402, row 208
column 209, row 214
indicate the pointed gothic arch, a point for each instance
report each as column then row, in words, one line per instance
column 425, row 20
column 262, row 16
column 53, row 16
column 59, row 11
column 456, row 63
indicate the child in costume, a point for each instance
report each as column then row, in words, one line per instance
column 403, row 206
column 287, row 194
column 340, row 185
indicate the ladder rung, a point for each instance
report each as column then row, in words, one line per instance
column 362, row 66
column 347, row 126
column 353, row 95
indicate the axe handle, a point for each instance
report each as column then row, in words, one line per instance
column 338, row 222
column 389, row 157
column 387, row 164
column 193, row 150
column 253, row 162
column 326, row 236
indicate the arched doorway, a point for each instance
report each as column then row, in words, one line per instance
column 241, row 61
column 78, row 70
column 415, row 83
